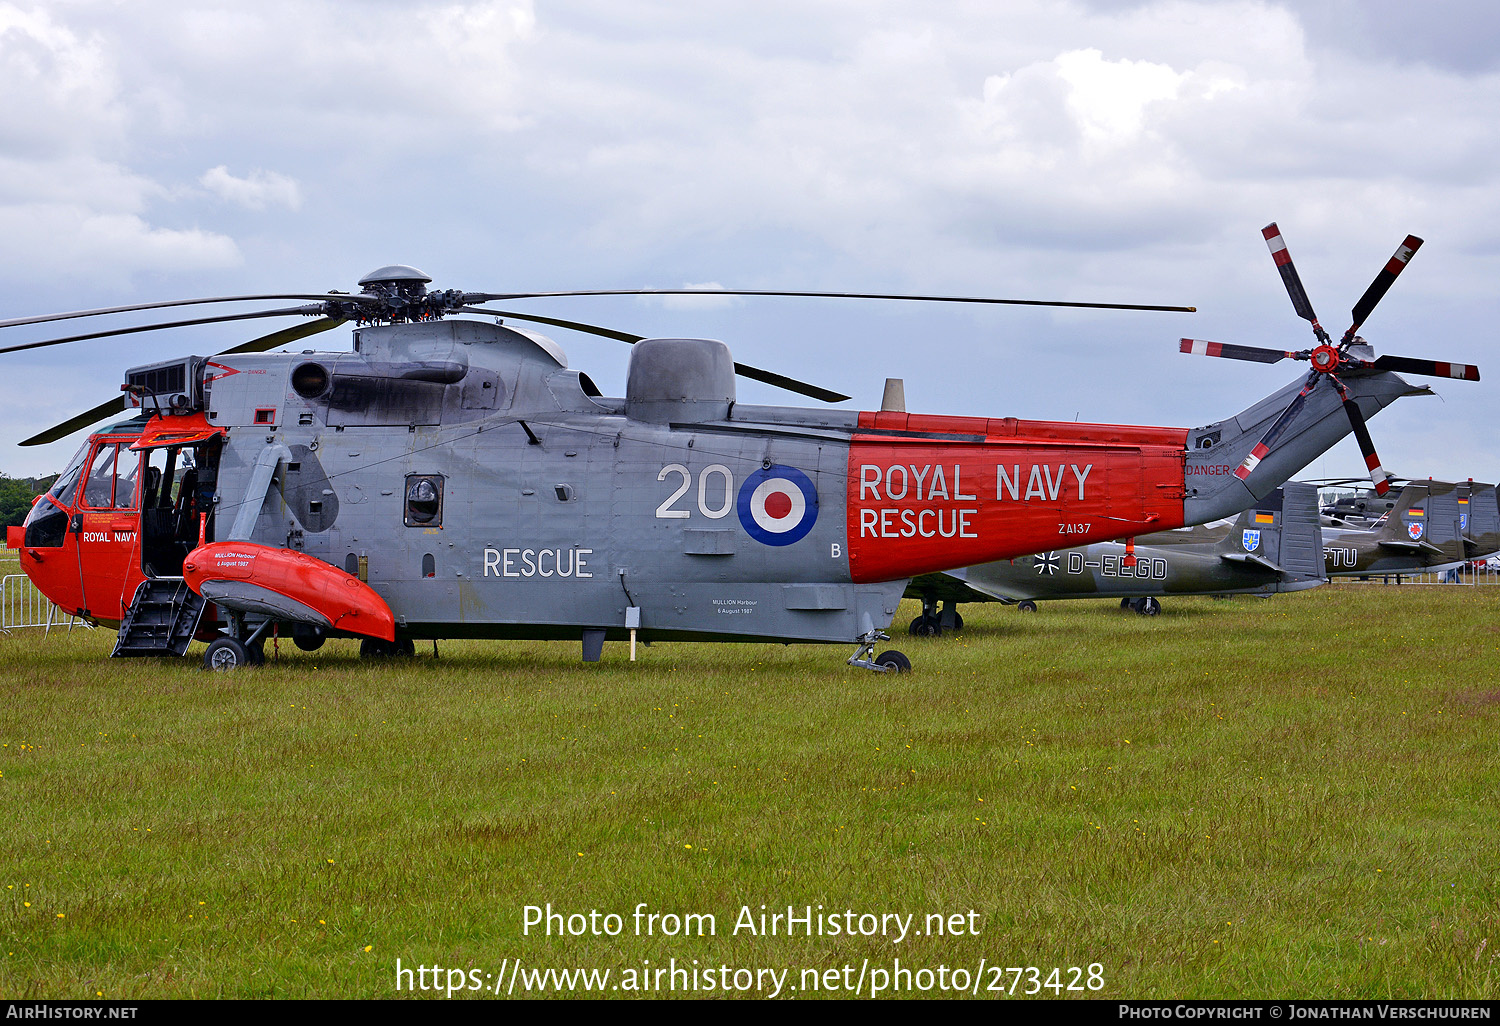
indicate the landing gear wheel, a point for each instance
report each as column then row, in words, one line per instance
column 958, row 621
column 894, row 662
column 1148, row 607
column 374, row 648
column 257, row 653
column 226, row 654
column 1026, row 606
column 1127, row 603
column 925, row 627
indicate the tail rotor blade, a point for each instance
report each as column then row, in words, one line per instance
column 1245, row 469
column 1366, row 444
column 1200, row 347
column 1289, row 278
column 1382, row 284
column 1434, row 368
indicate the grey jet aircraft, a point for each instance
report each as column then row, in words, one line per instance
column 1422, row 531
column 1275, row 546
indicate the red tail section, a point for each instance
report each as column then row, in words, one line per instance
column 930, row 493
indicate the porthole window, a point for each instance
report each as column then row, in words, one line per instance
column 424, row 500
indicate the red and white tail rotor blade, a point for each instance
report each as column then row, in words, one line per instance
column 1366, row 443
column 1434, row 368
column 1229, row 351
column 1264, row 446
column 1289, row 278
column 1381, row 285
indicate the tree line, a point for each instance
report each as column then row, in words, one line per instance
column 17, row 493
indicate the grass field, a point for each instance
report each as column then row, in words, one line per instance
column 1293, row 798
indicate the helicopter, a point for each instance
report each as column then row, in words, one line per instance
column 1275, row 546
column 454, row 478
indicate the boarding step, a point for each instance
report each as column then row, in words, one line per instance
column 161, row 620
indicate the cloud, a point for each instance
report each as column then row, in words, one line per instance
column 260, row 190
column 46, row 240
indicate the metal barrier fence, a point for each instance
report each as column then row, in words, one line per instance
column 22, row 605
column 1464, row 576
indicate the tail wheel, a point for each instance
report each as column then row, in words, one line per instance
column 925, row 627
column 893, row 662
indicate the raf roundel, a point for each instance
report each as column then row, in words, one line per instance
column 778, row 505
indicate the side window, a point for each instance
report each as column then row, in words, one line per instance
column 99, row 486
column 424, row 500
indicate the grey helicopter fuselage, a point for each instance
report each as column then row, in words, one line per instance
column 483, row 489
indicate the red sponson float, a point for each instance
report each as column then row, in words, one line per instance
column 287, row 585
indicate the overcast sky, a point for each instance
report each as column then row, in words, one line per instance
column 1109, row 151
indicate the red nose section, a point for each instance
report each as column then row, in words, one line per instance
column 288, row 585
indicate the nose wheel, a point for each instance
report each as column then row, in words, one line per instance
column 228, row 652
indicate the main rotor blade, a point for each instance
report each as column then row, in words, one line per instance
column 588, row 329
column 744, row 370
column 323, row 298
column 1381, row 284
column 83, row 420
column 284, row 336
column 1435, row 368
column 1200, row 347
column 1366, row 443
column 1289, row 278
column 488, row 297
column 827, row 395
column 136, row 329
column 1245, row 469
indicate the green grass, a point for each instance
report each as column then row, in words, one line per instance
column 1294, row 798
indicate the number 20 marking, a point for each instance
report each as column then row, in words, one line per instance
column 665, row 510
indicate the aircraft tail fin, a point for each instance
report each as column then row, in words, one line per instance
column 1482, row 523
column 1217, row 451
column 1281, row 532
column 1302, row 532
column 1425, row 521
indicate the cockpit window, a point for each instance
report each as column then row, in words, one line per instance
column 66, row 485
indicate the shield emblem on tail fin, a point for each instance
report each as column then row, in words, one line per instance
column 1251, row 540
